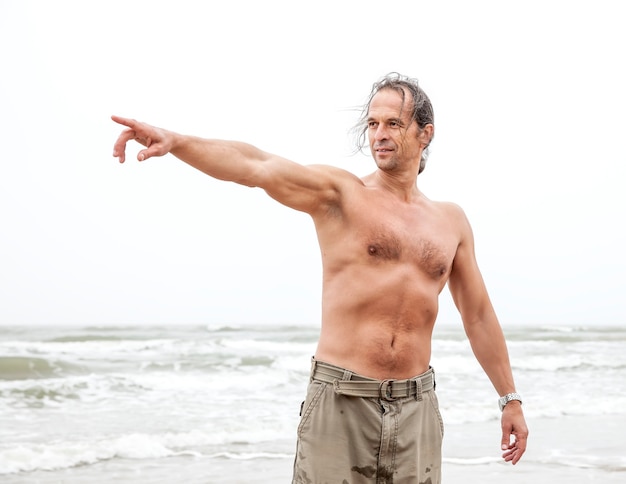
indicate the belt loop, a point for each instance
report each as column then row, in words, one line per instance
column 313, row 366
column 418, row 390
column 347, row 375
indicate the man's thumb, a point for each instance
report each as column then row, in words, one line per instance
column 506, row 441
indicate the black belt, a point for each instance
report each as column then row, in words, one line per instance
column 347, row 383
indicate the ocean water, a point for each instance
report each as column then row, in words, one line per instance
column 220, row 404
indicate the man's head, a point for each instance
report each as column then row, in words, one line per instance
column 413, row 98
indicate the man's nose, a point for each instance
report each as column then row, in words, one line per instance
column 381, row 133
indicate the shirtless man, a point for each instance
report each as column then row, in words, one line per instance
column 371, row 414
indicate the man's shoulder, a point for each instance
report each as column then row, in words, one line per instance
column 447, row 208
column 452, row 213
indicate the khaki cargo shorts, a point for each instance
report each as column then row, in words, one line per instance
column 392, row 433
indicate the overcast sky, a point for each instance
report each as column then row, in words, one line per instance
column 530, row 107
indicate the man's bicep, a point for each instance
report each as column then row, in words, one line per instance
column 466, row 283
column 304, row 188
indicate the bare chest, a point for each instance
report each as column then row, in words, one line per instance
column 422, row 239
column 428, row 250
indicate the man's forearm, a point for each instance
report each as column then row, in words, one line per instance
column 225, row 160
column 489, row 347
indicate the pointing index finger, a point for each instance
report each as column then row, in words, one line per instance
column 124, row 121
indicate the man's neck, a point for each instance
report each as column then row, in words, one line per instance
column 401, row 185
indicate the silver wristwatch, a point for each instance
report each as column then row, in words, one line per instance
column 502, row 401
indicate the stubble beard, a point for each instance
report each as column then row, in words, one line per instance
column 390, row 164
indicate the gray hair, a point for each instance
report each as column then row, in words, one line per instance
column 422, row 113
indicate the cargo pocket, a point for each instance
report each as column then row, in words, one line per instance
column 310, row 403
column 435, row 404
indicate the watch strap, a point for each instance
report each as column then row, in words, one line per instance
column 509, row 397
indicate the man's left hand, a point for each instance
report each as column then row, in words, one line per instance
column 514, row 432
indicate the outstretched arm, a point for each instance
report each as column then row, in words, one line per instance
column 305, row 188
column 486, row 338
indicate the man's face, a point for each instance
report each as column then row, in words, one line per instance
column 395, row 139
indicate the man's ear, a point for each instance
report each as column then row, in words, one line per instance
column 426, row 134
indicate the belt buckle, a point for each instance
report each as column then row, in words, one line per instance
column 385, row 391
